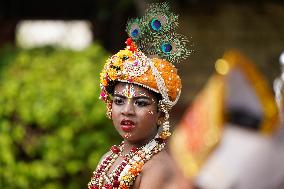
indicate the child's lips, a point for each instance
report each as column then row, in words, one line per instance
column 127, row 125
column 126, row 128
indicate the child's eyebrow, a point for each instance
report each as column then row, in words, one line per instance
column 135, row 97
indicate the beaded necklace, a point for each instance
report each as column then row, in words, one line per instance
column 124, row 175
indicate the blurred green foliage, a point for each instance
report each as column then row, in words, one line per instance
column 53, row 128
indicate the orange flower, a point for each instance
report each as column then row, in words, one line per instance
column 116, row 61
column 139, row 164
column 104, row 82
column 123, row 186
column 133, row 171
column 112, row 73
column 103, row 78
column 136, row 168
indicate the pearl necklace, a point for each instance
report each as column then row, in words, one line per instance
column 124, row 175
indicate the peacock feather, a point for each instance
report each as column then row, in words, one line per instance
column 154, row 33
column 134, row 29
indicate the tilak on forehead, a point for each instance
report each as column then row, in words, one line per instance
column 130, row 92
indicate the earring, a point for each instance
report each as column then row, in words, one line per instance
column 108, row 109
column 159, row 122
column 166, row 124
column 166, row 130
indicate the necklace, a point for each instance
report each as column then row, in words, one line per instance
column 124, row 175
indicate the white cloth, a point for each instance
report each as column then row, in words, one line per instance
column 244, row 160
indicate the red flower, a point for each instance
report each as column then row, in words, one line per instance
column 115, row 149
column 133, row 47
column 94, row 187
column 108, row 186
column 129, row 41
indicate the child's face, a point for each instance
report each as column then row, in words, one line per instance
column 134, row 112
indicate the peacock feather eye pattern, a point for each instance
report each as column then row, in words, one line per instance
column 134, row 29
column 159, row 19
column 172, row 47
column 154, row 34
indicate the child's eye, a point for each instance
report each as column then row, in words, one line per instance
column 142, row 103
column 118, row 100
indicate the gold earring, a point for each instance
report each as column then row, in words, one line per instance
column 166, row 124
column 166, row 130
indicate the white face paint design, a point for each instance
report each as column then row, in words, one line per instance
column 127, row 135
column 129, row 92
column 151, row 112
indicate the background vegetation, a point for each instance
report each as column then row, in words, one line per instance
column 53, row 128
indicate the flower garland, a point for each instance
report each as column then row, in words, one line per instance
column 124, row 175
column 125, row 65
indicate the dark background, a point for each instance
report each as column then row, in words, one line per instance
column 255, row 27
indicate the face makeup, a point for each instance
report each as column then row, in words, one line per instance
column 134, row 112
column 129, row 91
column 127, row 135
column 151, row 112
